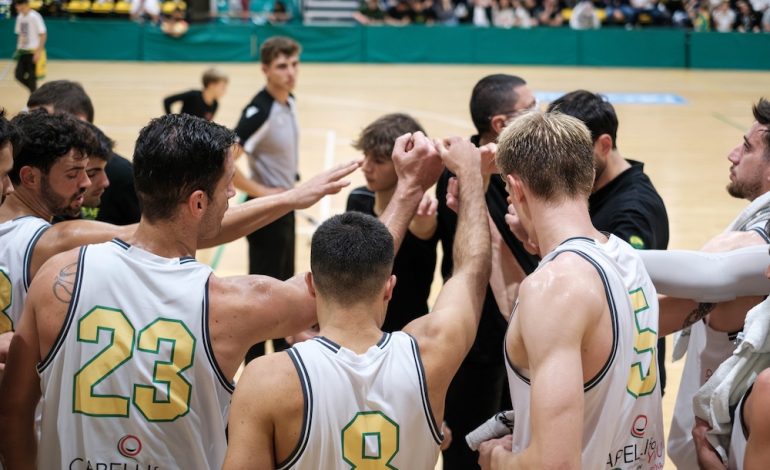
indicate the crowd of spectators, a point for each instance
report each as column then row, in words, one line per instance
column 700, row 15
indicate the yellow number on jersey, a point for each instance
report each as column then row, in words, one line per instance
column 370, row 441
column 167, row 373
column 6, row 324
column 175, row 399
column 103, row 364
column 641, row 382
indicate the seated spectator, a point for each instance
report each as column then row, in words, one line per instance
column 482, row 13
column 145, row 9
column 747, row 20
column 760, row 6
column 723, row 17
column 400, row 14
column 201, row 103
column 653, row 8
column 584, row 16
column 681, row 16
column 444, row 12
column 549, row 14
column 619, row 12
column 280, row 14
column 422, row 11
column 175, row 25
column 701, row 17
column 511, row 13
column 369, row 13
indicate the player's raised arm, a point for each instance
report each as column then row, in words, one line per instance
column 245, row 218
column 445, row 335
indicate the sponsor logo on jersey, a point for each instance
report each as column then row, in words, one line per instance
column 129, row 446
column 640, row 424
column 85, row 464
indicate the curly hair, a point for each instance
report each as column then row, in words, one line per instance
column 45, row 138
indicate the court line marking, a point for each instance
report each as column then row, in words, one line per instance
column 721, row 117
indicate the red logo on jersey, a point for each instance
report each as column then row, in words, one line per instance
column 129, row 446
column 640, row 424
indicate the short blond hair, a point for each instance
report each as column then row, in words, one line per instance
column 552, row 153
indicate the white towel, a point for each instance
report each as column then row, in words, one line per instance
column 730, row 381
column 497, row 426
column 758, row 208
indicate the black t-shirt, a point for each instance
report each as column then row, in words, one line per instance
column 488, row 346
column 119, row 205
column 413, row 267
column 192, row 104
column 630, row 208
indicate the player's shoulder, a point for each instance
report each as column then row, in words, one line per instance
column 272, row 373
column 566, row 278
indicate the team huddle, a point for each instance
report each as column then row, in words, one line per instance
column 119, row 350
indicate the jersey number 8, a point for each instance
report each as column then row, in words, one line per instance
column 370, row 441
column 167, row 375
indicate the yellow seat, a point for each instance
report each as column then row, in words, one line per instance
column 78, row 6
column 169, row 7
column 122, row 7
column 566, row 14
column 103, row 8
column 645, row 18
column 36, row 4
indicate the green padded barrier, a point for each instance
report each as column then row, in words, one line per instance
column 419, row 44
column 93, row 40
column 616, row 47
column 7, row 39
column 730, row 51
column 322, row 44
column 202, row 43
column 540, row 46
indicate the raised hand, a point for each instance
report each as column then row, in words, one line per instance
column 416, row 160
column 322, row 184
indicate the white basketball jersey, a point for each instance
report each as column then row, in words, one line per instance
column 132, row 380
column 623, row 417
column 738, row 438
column 17, row 240
column 365, row 411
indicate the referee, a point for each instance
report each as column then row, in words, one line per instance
column 269, row 135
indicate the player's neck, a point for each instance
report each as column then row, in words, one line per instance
column 279, row 94
column 382, row 199
column 558, row 222
column 22, row 202
column 354, row 327
column 616, row 165
column 208, row 96
column 165, row 239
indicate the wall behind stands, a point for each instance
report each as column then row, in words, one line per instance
column 109, row 39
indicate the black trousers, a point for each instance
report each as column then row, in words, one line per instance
column 474, row 395
column 25, row 71
column 271, row 253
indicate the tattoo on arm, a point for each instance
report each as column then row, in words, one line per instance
column 64, row 284
column 698, row 313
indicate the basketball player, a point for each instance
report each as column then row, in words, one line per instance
column 580, row 344
column 715, row 326
column 145, row 339
column 355, row 396
column 49, row 176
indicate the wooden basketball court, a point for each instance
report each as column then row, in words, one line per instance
column 683, row 145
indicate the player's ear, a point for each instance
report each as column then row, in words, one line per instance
column 30, row 176
column 603, row 145
column 197, row 202
column 497, row 123
column 389, row 287
column 310, row 285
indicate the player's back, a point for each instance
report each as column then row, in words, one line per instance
column 131, row 378
column 622, row 417
column 17, row 241
column 364, row 411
